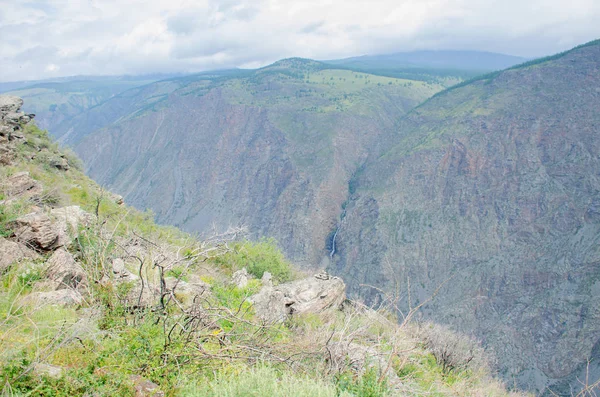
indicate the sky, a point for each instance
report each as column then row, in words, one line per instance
column 50, row 38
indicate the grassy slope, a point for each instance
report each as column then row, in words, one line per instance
column 238, row 357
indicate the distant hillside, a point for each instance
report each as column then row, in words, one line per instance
column 491, row 190
column 425, row 64
column 56, row 101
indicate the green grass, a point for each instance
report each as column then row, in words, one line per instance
column 264, row 381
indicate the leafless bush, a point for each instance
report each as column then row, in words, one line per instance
column 453, row 351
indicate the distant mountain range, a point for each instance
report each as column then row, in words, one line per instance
column 464, row 64
column 418, row 178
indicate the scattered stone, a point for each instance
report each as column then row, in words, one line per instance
column 11, row 253
column 120, row 271
column 63, row 269
column 50, row 371
column 310, row 295
column 240, row 278
column 145, row 388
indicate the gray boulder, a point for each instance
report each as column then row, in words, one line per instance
column 240, row 278
column 310, row 295
column 36, row 230
column 62, row 268
column 120, row 272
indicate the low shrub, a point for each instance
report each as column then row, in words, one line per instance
column 258, row 258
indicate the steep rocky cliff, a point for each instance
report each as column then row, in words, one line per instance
column 271, row 149
column 492, row 191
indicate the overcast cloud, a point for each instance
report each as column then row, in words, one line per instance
column 42, row 39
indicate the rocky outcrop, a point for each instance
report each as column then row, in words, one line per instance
column 11, row 120
column 315, row 294
column 62, row 269
column 11, row 117
column 12, row 253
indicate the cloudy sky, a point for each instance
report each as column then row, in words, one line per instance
column 50, row 38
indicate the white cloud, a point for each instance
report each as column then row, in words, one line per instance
column 137, row 36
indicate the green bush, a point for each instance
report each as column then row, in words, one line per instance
column 257, row 258
column 366, row 385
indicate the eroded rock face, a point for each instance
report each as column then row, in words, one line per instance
column 62, row 268
column 12, row 253
column 497, row 201
column 311, row 295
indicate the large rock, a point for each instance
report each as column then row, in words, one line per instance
column 10, row 103
column 68, row 221
column 46, row 233
column 36, row 230
column 315, row 294
column 63, row 269
column 11, row 253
